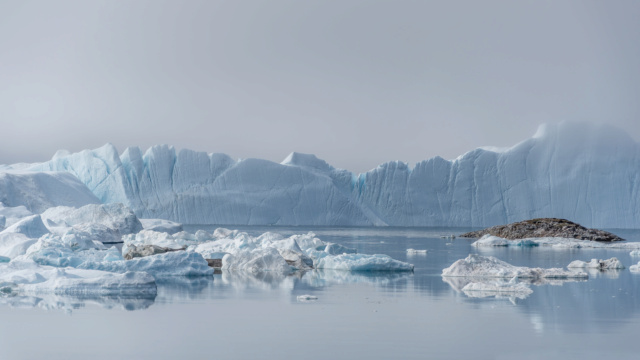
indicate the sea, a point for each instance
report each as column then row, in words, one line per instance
column 343, row 315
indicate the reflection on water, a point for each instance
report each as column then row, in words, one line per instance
column 71, row 303
column 423, row 309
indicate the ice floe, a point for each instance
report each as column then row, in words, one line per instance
column 635, row 268
column 556, row 243
column 635, row 253
column 306, row 298
column 490, row 267
column 362, row 262
column 608, row 264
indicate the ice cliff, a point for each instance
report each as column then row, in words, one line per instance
column 579, row 171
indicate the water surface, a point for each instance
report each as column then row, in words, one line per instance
column 374, row 316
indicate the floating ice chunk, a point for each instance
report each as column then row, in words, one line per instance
column 555, row 243
column 256, row 260
column 30, row 278
column 497, row 289
column 635, row 253
column 105, row 222
column 161, row 225
column 635, row 268
column 177, row 263
column 416, row 252
column 488, row 266
column 361, row 262
column 151, row 237
column 30, row 226
column 296, row 259
column 308, row 241
column 63, row 251
column 307, row 298
column 612, row 263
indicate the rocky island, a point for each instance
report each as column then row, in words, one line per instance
column 544, row 227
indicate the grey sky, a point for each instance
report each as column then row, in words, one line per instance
column 357, row 83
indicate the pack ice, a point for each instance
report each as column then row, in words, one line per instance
column 63, row 251
column 580, row 171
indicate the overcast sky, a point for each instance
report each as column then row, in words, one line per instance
column 355, row 82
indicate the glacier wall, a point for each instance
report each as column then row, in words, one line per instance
column 580, row 171
column 38, row 191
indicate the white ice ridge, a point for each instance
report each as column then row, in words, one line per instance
column 559, row 172
column 612, row 263
column 490, row 267
column 554, row 243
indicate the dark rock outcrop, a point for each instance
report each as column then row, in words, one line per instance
column 544, row 227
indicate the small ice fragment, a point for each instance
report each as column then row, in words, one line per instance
column 304, row 298
column 635, row 253
column 414, row 251
column 612, row 263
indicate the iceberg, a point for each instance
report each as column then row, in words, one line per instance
column 490, row 267
column 612, row 263
column 498, row 289
column 170, row 264
column 557, row 173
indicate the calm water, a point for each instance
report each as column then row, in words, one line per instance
column 393, row 316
